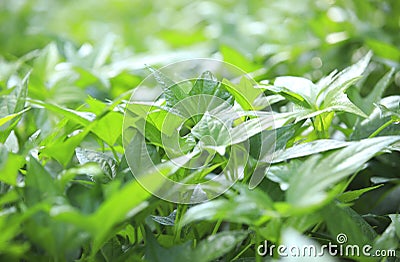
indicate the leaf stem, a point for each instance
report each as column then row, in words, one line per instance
column 181, row 209
column 388, row 123
column 115, row 154
column 242, row 252
column 217, row 225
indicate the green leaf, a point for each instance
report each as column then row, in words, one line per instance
column 212, row 133
column 327, row 96
column 344, row 79
column 367, row 103
column 63, row 150
column 308, row 186
column 217, row 245
column 377, row 118
column 9, row 165
column 166, row 221
column 119, row 206
column 282, row 173
column 254, row 126
column 304, row 223
column 15, row 101
column 350, row 196
column 9, row 197
column 10, row 227
column 156, row 253
column 390, row 239
column 40, row 184
column 357, row 230
column 109, row 127
column 206, row 84
column 107, row 163
column 301, row 89
column 384, row 49
column 8, row 118
column 234, row 57
column 12, row 103
column 172, row 91
column 208, row 249
column 137, row 151
column 82, row 118
column 306, row 149
column 249, row 207
column 340, row 102
column 244, row 93
column 262, row 145
column 306, row 248
column 164, row 119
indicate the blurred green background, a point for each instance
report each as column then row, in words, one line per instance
column 88, row 55
column 309, row 38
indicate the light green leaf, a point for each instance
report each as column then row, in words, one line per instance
column 350, row 196
column 9, row 165
column 109, row 127
column 40, row 184
column 106, row 162
column 63, row 150
column 244, row 93
column 9, row 197
column 234, row 57
column 308, row 186
column 118, row 207
column 208, row 84
column 165, row 120
column 211, row 132
column 282, row 173
column 342, row 81
column 384, row 49
column 8, row 118
column 249, row 207
column 367, row 103
column 299, row 86
column 340, row 102
column 307, row 149
column 83, row 118
column 10, row 228
column 172, row 91
column 217, row 245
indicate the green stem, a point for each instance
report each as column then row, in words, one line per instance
column 115, row 154
column 242, row 252
column 388, row 123
column 181, row 209
column 324, row 127
column 196, row 236
column 219, row 222
column 321, row 134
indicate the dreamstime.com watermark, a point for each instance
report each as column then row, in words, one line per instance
column 341, row 249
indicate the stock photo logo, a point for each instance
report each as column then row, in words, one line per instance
column 341, row 248
column 190, row 127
